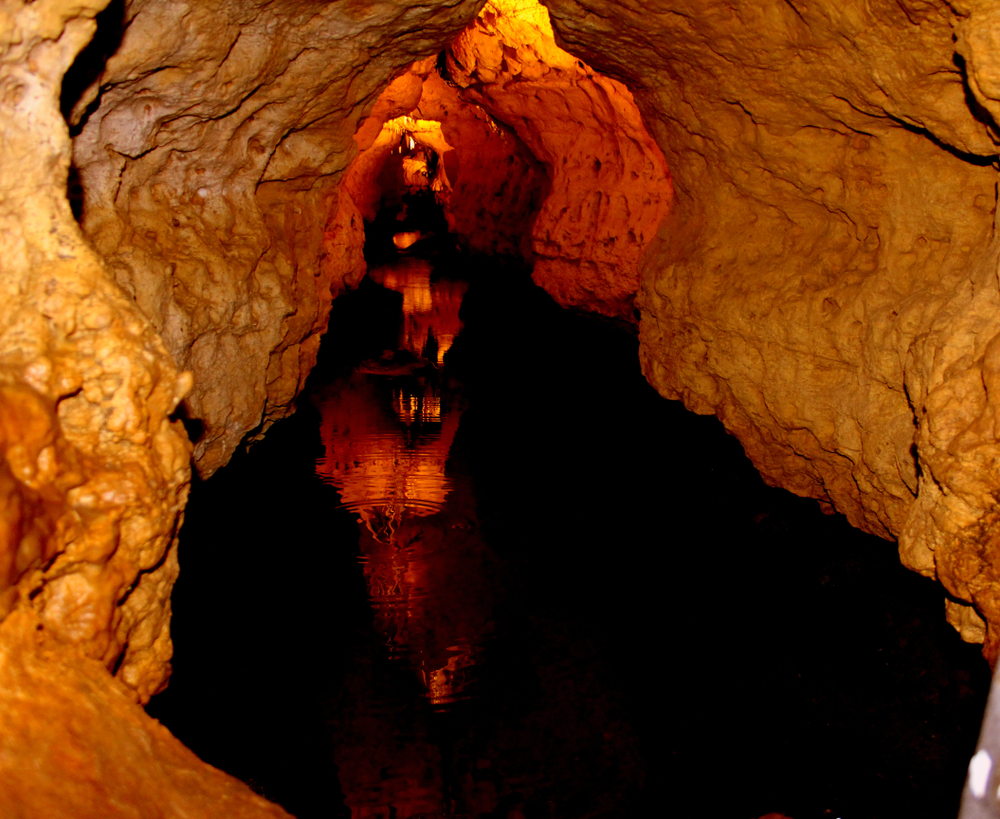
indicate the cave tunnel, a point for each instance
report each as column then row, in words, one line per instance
column 498, row 409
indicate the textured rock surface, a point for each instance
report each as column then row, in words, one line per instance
column 489, row 211
column 827, row 282
column 93, row 477
column 210, row 166
column 93, row 470
column 610, row 187
column 77, row 746
column 510, row 99
column 496, row 184
column 93, row 473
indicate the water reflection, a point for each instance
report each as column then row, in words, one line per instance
column 469, row 697
column 387, row 430
column 430, row 311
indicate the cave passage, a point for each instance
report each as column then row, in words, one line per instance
column 445, row 591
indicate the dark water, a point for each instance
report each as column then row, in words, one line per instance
column 551, row 594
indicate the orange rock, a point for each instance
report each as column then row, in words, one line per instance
column 211, row 187
column 826, row 281
column 610, row 187
column 77, row 746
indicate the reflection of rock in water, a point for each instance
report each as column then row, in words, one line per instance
column 386, row 444
column 433, row 590
column 546, row 737
column 430, row 310
column 439, row 716
column 445, row 711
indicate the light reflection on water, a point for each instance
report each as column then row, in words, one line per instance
column 387, row 430
column 430, row 311
column 521, row 673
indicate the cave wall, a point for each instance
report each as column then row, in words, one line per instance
column 610, row 186
column 211, row 160
column 94, row 473
column 545, row 157
column 827, row 281
column 204, row 272
column 489, row 212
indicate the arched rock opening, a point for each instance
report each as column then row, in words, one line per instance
column 826, row 282
column 542, row 156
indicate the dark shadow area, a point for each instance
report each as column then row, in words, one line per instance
column 978, row 111
column 668, row 635
column 74, row 192
column 90, row 62
column 194, row 427
column 86, row 68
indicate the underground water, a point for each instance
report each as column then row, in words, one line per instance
column 485, row 570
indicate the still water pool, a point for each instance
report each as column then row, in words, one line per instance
column 486, row 571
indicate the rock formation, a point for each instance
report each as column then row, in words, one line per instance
column 211, row 186
column 94, row 471
column 610, row 187
column 825, row 280
column 488, row 212
column 507, row 96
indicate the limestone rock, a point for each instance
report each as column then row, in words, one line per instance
column 497, row 184
column 488, row 183
column 93, row 471
column 610, row 187
column 210, row 160
column 77, row 746
column 827, row 280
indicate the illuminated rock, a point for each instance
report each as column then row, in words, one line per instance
column 489, row 212
column 826, row 282
column 93, row 471
column 211, row 187
column 406, row 239
column 77, row 746
column 511, row 99
column 610, row 187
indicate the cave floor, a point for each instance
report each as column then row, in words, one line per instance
column 571, row 599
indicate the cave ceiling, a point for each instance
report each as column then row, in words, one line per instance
column 794, row 202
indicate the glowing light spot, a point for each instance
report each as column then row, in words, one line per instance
column 407, row 239
column 979, row 773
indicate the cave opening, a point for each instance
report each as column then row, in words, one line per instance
column 480, row 460
column 520, row 438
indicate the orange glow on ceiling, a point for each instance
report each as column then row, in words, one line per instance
column 528, row 11
column 426, row 132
